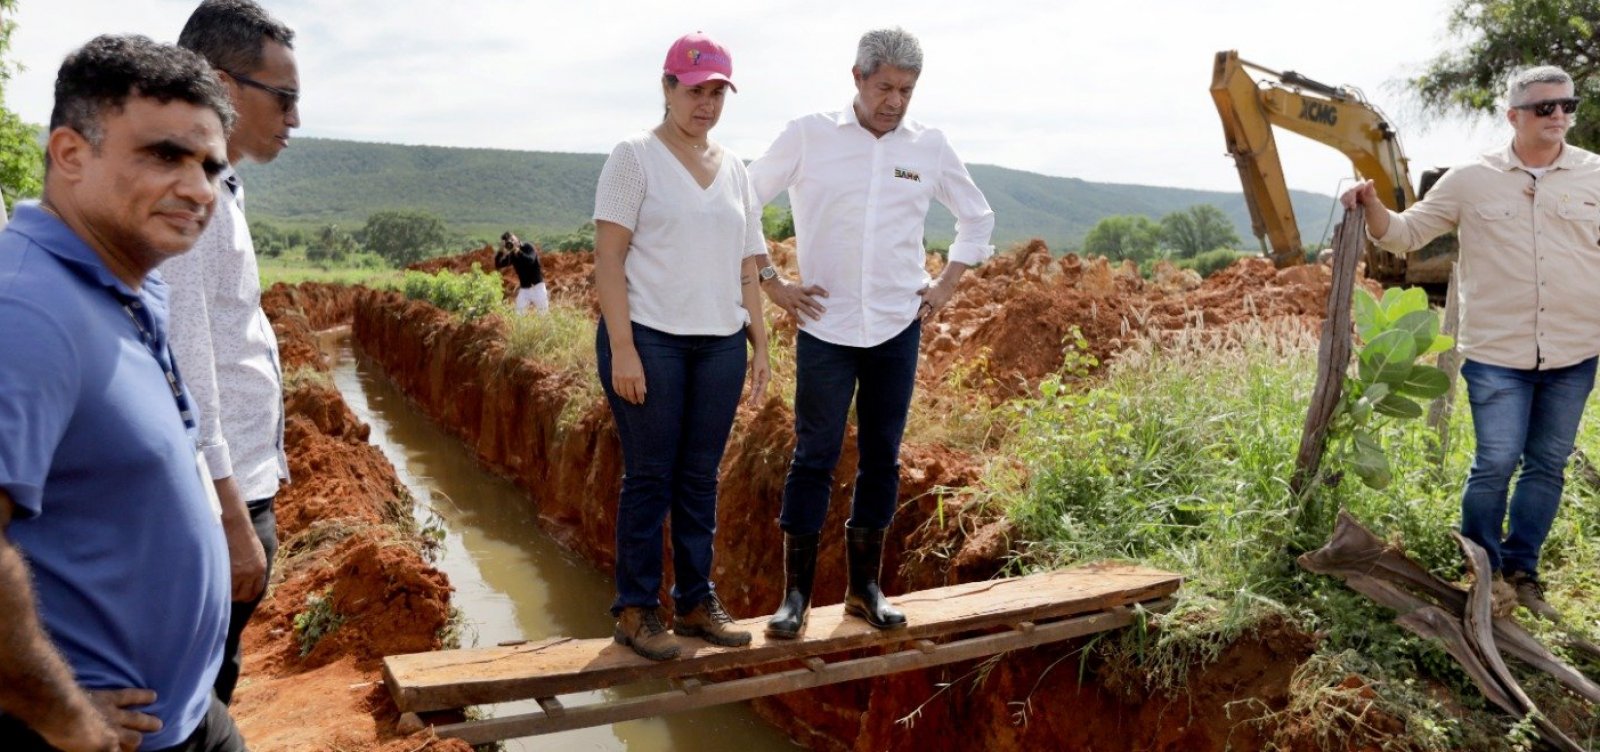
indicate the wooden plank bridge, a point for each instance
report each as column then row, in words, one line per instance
column 946, row 625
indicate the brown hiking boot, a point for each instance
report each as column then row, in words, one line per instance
column 642, row 630
column 1530, row 593
column 709, row 621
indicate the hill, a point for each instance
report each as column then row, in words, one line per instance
column 481, row 192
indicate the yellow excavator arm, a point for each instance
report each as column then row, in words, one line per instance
column 1335, row 116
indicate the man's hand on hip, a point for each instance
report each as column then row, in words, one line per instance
column 130, row 725
column 799, row 302
column 938, row 294
column 108, row 727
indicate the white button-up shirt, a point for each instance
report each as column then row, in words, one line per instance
column 859, row 205
column 227, row 352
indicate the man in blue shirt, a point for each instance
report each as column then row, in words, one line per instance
column 113, row 568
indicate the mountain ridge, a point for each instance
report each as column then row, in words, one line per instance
column 480, row 192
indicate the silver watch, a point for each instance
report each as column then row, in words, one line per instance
column 766, row 273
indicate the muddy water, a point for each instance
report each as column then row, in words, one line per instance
column 512, row 581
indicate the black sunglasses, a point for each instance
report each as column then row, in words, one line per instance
column 286, row 99
column 1547, row 107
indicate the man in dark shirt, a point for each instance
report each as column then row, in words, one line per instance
column 524, row 257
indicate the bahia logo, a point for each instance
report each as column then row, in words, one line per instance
column 710, row 58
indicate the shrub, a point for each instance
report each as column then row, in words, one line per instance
column 1211, row 262
column 471, row 295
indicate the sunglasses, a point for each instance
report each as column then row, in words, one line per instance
column 287, row 100
column 1548, row 107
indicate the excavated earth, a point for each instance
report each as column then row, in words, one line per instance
column 1004, row 331
column 346, row 536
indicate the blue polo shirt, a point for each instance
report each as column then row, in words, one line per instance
column 129, row 562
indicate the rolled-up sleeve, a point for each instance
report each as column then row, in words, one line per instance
column 1425, row 220
column 974, row 218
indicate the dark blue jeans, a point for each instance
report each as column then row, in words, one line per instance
column 1525, row 417
column 880, row 378
column 265, row 522
column 671, row 447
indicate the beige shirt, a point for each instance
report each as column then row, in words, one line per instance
column 1529, row 269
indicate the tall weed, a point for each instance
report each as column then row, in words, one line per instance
column 1180, row 459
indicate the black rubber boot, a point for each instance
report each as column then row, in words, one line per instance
column 864, row 599
column 799, row 570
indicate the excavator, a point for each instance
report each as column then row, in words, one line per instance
column 1339, row 117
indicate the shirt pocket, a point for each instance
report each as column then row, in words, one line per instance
column 1579, row 212
column 1496, row 212
column 1583, row 219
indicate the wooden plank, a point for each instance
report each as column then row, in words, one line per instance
column 459, row 678
column 739, row 690
column 1333, row 354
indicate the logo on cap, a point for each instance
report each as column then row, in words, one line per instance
column 709, row 58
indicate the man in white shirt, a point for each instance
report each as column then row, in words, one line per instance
column 225, row 346
column 859, row 182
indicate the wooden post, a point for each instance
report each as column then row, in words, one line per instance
column 1450, row 363
column 1333, row 354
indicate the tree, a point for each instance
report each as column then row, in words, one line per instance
column 578, row 241
column 1198, row 229
column 1503, row 36
column 21, row 157
column 331, row 244
column 404, row 237
column 1120, row 237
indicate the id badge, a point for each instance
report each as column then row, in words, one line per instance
column 209, row 485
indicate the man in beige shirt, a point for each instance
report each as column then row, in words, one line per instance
column 1528, row 217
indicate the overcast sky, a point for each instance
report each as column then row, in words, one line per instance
column 1102, row 91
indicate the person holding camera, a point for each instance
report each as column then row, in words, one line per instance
column 524, row 257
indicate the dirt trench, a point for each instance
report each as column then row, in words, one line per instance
column 517, row 417
column 346, row 536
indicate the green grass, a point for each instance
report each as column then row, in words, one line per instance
column 1180, row 457
column 293, row 268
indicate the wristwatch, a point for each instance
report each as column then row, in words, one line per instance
column 766, row 273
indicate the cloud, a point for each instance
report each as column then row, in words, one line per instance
column 1100, row 91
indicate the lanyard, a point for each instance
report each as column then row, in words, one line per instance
column 169, row 366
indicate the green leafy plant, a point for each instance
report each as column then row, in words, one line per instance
column 472, row 295
column 1397, row 331
column 314, row 623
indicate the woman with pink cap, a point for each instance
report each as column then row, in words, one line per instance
column 677, row 240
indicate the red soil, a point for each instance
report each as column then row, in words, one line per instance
column 344, row 530
column 1018, row 307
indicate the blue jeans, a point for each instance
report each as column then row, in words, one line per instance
column 671, row 449
column 880, row 378
column 1525, row 417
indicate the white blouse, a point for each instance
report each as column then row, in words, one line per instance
column 688, row 242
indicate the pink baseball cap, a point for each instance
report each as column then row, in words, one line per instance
column 694, row 59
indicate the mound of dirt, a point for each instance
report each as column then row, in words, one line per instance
column 346, row 536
